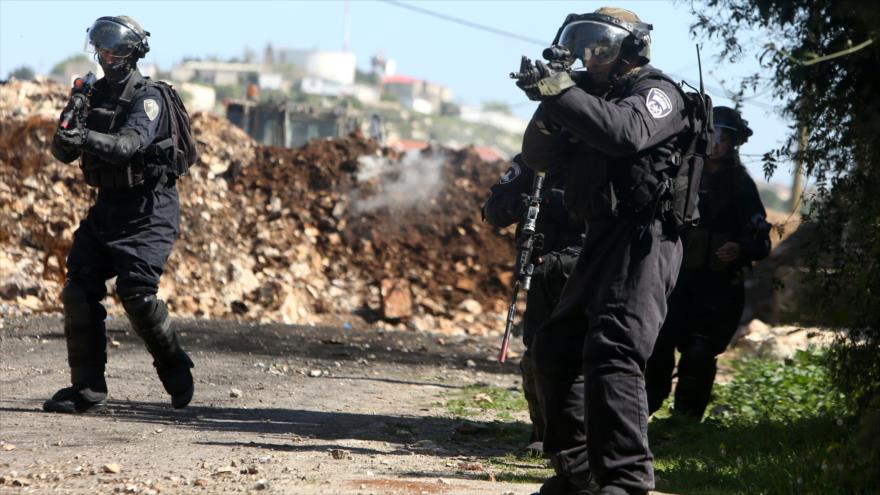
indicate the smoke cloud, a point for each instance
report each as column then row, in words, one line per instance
column 416, row 178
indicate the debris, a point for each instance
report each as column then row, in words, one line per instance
column 340, row 454
column 396, row 299
column 483, row 399
column 316, row 230
column 8, row 447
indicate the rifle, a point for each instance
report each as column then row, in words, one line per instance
column 524, row 267
column 558, row 58
column 79, row 101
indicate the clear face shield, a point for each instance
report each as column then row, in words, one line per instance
column 111, row 43
column 596, row 44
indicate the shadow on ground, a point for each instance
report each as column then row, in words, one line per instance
column 426, row 435
column 331, row 343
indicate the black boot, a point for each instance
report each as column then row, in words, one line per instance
column 577, row 484
column 150, row 320
column 88, row 394
column 177, row 379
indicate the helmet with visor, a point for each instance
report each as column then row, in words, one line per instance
column 117, row 42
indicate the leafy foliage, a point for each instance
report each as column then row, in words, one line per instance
column 766, row 390
column 836, row 101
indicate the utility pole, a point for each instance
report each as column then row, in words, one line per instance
column 346, row 28
column 797, row 183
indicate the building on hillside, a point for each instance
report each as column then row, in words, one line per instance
column 417, row 95
column 499, row 120
column 289, row 124
column 335, row 67
column 224, row 74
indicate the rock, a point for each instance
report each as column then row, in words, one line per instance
column 8, row 447
column 261, row 484
column 111, row 468
column 223, row 470
column 315, row 373
column 396, row 299
column 471, row 306
column 235, row 393
column 779, row 343
column 483, row 399
column 466, row 284
column 200, row 482
column 340, row 454
column 470, row 363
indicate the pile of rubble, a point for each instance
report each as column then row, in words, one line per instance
column 299, row 236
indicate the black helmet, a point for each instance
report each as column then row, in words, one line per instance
column 605, row 37
column 118, row 42
column 729, row 119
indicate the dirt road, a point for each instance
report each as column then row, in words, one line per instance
column 278, row 409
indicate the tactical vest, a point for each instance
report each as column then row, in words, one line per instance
column 660, row 182
column 108, row 115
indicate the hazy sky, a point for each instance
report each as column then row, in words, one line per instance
column 473, row 63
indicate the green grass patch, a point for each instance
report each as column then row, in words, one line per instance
column 777, row 428
column 481, row 400
column 523, row 468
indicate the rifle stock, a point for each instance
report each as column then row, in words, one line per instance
column 524, row 267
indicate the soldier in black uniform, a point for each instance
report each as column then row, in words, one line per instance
column 129, row 231
column 706, row 306
column 561, row 238
column 613, row 131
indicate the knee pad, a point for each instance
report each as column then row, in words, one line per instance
column 145, row 311
column 149, row 318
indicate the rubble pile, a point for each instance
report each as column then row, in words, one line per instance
column 299, row 236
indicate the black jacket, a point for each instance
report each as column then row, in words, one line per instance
column 506, row 205
column 601, row 137
column 118, row 144
column 730, row 211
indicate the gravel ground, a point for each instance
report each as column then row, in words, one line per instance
column 278, row 409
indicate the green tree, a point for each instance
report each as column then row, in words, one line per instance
column 59, row 68
column 497, row 106
column 23, row 73
column 820, row 58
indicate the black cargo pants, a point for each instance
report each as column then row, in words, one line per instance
column 598, row 341
column 704, row 313
column 548, row 280
column 127, row 234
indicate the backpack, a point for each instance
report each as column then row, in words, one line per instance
column 179, row 149
column 667, row 179
column 698, row 142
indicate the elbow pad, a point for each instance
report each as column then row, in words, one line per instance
column 114, row 148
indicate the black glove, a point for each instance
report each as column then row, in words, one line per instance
column 73, row 137
column 541, row 82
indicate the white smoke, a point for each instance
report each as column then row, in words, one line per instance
column 415, row 179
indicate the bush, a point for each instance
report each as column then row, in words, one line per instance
column 765, row 390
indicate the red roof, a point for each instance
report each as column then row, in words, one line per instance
column 399, row 80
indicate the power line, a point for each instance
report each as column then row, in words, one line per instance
column 465, row 22
column 508, row 34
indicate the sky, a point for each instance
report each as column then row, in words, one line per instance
column 474, row 63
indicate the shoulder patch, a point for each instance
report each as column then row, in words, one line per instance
column 658, row 103
column 151, row 108
column 512, row 173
